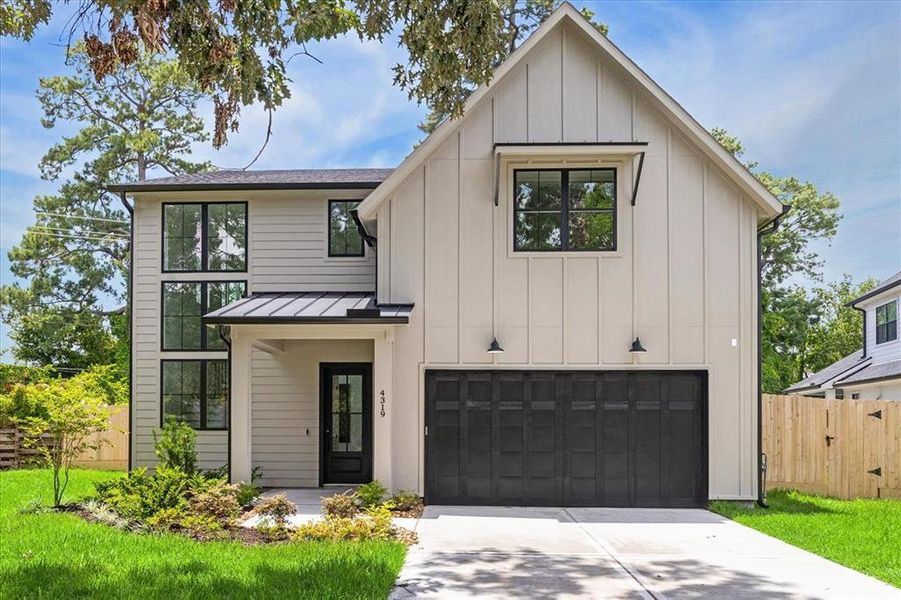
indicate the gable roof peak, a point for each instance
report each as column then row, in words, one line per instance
column 768, row 205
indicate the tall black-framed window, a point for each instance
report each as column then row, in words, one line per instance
column 209, row 236
column 195, row 392
column 183, row 305
column 887, row 322
column 343, row 236
column 557, row 210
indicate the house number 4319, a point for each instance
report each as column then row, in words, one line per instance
column 382, row 403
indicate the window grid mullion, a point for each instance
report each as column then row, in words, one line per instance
column 203, row 394
column 204, row 243
column 564, row 217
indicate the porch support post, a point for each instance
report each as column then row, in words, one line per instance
column 383, row 407
column 240, row 406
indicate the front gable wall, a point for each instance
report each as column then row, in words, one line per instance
column 682, row 277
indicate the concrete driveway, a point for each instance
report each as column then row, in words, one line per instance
column 485, row 552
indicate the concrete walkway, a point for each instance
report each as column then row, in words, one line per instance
column 484, row 552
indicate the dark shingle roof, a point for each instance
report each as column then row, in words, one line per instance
column 285, row 179
column 886, row 370
column 883, row 285
column 853, row 361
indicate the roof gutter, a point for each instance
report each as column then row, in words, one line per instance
column 129, row 299
column 767, row 228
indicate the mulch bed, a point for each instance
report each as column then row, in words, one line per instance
column 413, row 513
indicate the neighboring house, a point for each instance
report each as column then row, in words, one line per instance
column 551, row 301
column 873, row 373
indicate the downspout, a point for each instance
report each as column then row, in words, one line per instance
column 131, row 338
column 764, row 230
column 371, row 241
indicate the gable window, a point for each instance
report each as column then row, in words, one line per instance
column 208, row 236
column 564, row 210
column 183, row 305
column 343, row 236
column 195, row 392
column 887, row 322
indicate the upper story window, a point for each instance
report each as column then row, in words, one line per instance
column 343, row 236
column 185, row 302
column 209, row 236
column 887, row 322
column 564, row 210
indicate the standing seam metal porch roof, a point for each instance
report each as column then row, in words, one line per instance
column 310, row 307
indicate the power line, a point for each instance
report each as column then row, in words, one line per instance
column 78, row 237
column 76, row 232
column 49, row 214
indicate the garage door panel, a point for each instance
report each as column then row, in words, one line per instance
column 566, row 438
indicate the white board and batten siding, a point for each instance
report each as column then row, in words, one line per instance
column 682, row 277
column 287, row 251
column 886, row 351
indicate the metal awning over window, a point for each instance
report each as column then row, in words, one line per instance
column 310, row 307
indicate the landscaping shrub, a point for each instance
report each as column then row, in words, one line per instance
column 202, row 525
column 175, row 446
column 247, row 493
column 140, row 495
column 341, row 505
column 371, row 494
column 165, row 519
column 374, row 524
column 275, row 510
column 404, row 500
column 219, row 501
column 102, row 513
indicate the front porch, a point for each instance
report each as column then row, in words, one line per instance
column 310, row 404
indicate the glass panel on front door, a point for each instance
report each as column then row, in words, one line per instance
column 347, row 413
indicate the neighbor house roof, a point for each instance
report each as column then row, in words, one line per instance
column 684, row 122
column 872, row 373
column 885, row 285
column 851, row 363
column 310, row 307
column 284, row 179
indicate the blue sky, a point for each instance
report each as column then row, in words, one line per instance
column 812, row 89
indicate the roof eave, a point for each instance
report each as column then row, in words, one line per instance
column 137, row 188
column 874, row 293
column 306, row 321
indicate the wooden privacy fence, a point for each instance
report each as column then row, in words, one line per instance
column 840, row 448
column 111, row 455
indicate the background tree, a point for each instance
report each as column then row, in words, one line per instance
column 519, row 19
column 238, row 50
column 837, row 332
column 793, row 319
column 73, row 259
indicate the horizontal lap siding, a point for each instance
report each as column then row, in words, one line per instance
column 683, row 277
column 212, row 446
column 287, row 251
column 289, row 247
column 285, row 408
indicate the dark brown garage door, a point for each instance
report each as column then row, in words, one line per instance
column 573, row 438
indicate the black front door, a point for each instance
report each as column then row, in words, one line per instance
column 346, row 409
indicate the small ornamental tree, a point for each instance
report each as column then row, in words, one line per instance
column 71, row 414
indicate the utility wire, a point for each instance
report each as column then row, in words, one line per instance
column 49, row 214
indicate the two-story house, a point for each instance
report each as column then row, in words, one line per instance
column 551, row 301
column 874, row 372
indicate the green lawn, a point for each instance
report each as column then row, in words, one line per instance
column 59, row 555
column 862, row 534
